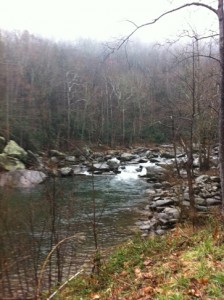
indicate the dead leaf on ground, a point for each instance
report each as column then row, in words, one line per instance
column 148, row 262
column 138, row 273
column 203, row 281
column 195, row 292
column 124, row 273
column 147, row 275
column 96, row 297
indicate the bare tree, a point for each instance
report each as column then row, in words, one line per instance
column 220, row 16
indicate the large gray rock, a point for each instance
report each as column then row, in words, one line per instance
column 202, row 179
column 162, row 202
column 212, row 201
column 70, row 159
column 9, row 163
column 66, row 171
column 79, row 170
column 103, row 167
column 172, row 212
column 22, row 178
column 156, row 172
column 14, row 150
column 127, row 156
column 113, row 163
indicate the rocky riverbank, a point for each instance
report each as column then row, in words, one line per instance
column 168, row 204
column 168, row 197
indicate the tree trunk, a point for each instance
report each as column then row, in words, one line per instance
column 221, row 116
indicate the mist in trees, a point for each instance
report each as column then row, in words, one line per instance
column 55, row 94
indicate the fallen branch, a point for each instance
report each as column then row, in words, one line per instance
column 64, row 284
column 47, row 259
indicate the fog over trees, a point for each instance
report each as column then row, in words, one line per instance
column 59, row 95
column 55, row 94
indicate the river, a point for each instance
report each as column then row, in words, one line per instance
column 34, row 220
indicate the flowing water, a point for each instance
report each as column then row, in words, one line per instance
column 35, row 220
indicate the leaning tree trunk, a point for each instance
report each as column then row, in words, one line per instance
column 221, row 116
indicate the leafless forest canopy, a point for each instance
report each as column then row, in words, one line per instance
column 54, row 94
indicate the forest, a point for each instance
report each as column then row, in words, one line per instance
column 56, row 94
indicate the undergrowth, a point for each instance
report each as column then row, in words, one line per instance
column 186, row 264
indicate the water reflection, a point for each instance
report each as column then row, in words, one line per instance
column 34, row 220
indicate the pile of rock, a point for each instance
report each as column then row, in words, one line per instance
column 108, row 162
column 88, row 161
column 14, row 161
column 207, row 193
column 167, row 202
column 160, row 163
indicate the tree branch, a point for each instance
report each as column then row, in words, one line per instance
column 198, row 55
column 137, row 27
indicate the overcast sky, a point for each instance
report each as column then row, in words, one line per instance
column 102, row 19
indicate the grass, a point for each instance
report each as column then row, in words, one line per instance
column 185, row 264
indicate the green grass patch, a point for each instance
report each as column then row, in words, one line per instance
column 184, row 264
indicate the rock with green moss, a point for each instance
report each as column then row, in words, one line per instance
column 9, row 163
column 56, row 153
column 12, row 149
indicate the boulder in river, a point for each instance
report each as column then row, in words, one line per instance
column 21, row 178
column 66, row 171
column 101, row 167
column 127, row 156
column 113, row 163
column 154, row 172
column 79, row 169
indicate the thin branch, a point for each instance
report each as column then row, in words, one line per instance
column 207, row 37
column 133, row 23
column 213, row 108
column 209, row 56
column 47, row 259
column 163, row 15
column 198, row 55
column 64, row 284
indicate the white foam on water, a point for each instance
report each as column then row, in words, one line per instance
column 131, row 171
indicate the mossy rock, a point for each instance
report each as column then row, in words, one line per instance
column 14, row 150
column 56, row 153
column 9, row 163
